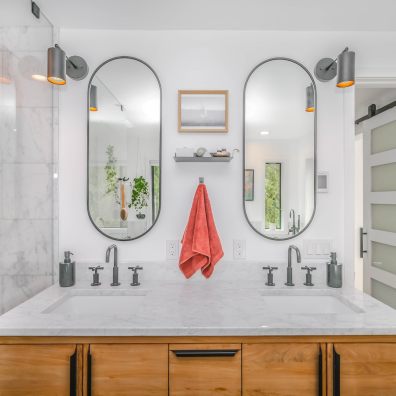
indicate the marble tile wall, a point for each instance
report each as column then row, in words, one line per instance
column 28, row 162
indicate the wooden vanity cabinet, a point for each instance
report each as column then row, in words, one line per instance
column 127, row 369
column 356, row 369
column 283, row 369
column 204, row 369
column 39, row 370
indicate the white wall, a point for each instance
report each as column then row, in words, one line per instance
column 214, row 60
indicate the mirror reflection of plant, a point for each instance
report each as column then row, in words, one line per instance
column 272, row 195
column 139, row 193
column 111, row 173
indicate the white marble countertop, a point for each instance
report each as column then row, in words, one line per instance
column 204, row 308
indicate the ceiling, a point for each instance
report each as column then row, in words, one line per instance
column 223, row 14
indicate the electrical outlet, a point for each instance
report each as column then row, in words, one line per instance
column 239, row 249
column 172, row 250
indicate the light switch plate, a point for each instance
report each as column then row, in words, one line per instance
column 317, row 248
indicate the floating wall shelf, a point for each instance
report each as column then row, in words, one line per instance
column 202, row 159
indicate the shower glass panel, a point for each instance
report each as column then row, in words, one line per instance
column 28, row 156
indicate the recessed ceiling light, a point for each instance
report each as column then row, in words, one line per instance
column 264, row 133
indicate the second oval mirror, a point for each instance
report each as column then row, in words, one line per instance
column 124, row 148
column 279, row 148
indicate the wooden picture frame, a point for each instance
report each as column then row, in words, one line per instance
column 203, row 111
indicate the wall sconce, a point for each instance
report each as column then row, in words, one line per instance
column 93, row 98
column 58, row 65
column 310, row 107
column 326, row 69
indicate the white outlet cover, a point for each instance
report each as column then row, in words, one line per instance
column 239, row 249
column 172, row 249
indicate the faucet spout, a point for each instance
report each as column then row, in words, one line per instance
column 289, row 280
column 115, row 265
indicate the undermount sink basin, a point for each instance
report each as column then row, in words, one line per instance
column 91, row 302
column 308, row 303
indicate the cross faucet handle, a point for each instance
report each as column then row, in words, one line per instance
column 308, row 275
column 95, row 280
column 270, row 275
column 135, row 275
column 309, row 269
column 270, row 269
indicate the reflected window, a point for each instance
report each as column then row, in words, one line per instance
column 273, row 194
column 155, row 190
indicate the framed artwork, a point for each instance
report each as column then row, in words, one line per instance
column 203, row 111
column 249, row 184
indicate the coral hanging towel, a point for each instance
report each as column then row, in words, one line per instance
column 201, row 246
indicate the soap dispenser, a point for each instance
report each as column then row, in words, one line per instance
column 334, row 271
column 67, row 271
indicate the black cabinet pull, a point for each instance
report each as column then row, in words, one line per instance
column 362, row 251
column 89, row 372
column 73, row 374
column 206, row 353
column 336, row 373
column 320, row 371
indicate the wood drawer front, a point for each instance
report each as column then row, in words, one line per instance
column 367, row 369
column 280, row 369
column 35, row 370
column 129, row 369
column 199, row 375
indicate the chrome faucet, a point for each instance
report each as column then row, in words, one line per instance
column 289, row 281
column 115, row 267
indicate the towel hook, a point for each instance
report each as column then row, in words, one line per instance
column 201, row 180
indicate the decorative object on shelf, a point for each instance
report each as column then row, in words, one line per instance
column 184, row 152
column 203, row 111
column 139, row 196
column 343, row 67
column 221, row 153
column 200, row 152
column 249, row 185
column 202, row 159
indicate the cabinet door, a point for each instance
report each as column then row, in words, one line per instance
column 204, row 369
column 362, row 369
column 282, row 369
column 38, row 370
column 125, row 369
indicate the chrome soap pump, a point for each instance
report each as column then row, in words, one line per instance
column 67, row 271
column 334, row 272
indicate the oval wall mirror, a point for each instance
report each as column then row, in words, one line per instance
column 279, row 148
column 124, row 148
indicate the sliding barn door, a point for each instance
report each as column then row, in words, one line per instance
column 379, row 232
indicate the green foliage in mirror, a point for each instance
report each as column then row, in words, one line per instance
column 139, row 193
